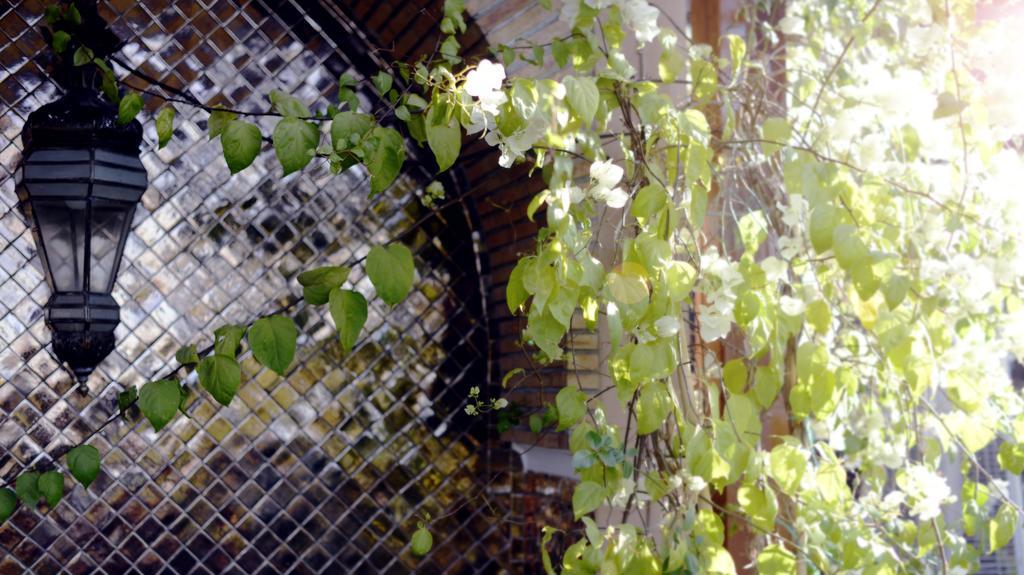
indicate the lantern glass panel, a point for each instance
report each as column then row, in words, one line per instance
column 107, row 227
column 62, row 227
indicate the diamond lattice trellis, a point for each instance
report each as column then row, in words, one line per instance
column 324, row 470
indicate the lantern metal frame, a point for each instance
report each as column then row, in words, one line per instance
column 79, row 182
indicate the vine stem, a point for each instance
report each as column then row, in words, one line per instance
column 942, row 547
column 182, row 96
column 835, row 65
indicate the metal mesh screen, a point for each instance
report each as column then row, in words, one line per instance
column 324, row 470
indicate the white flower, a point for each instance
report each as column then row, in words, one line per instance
column 795, row 212
column 774, row 268
column 470, row 410
column 790, row 247
column 501, row 403
column 512, row 147
column 615, row 197
column 491, row 102
column 714, row 325
column 927, row 491
column 791, row 306
column 605, row 176
column 642, row 18
column 480, row 121
column 695, row 483
column 484, row 79
column 792, row 26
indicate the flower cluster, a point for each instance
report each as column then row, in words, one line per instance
column 720, row 279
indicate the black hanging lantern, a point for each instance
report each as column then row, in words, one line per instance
column 79, row 181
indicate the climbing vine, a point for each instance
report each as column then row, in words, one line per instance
column 816, row 218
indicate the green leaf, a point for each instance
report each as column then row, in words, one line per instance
column 74, row 16
column 777, row 132
column 822, row 224
column 318, row 283
column 273, row 342
column 349, row 311
column 652, row 360
column 128, row 108
column 383, row 81
column 349, row 128
column 515, row 291
column 1000, row 528
column 53, row 14
column 947, row 106
column 587, row 497
column 583, row 96
column 164, row 126
column 109, row 87
column 241, row 143
column 391, row 270
column 27, row 487
column 776, row 560
column 753, row 230
column 895, row 290
column 51, row 486
column 865, row 280
column 83, row 56
column 8, row 502
column 327, row 276
column 766, row 386
column 671, row 64
column 384, row 158
column 347, row 80
column 316, row 295
column 548, row 532
column 786, row 466
column 186, row 355
column 288, row 106
column 737, row 52
column 704, row 78
column 84, row 464
column 572, row 406
column 649, row 201
column 221, row 376
column 734, row 374
column 758, row 505
column 851, row 252
column 126, row 398
column 218, row 121
column 60, row 41
column 444, row 138
column 348, row 98
column 227, row 337
column 1011, row 457
column 295, row 143
column 422, row 541
column 512, row 373
column 653, row 407
column 819, row 315
column 536, row 423
column 159, row 401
